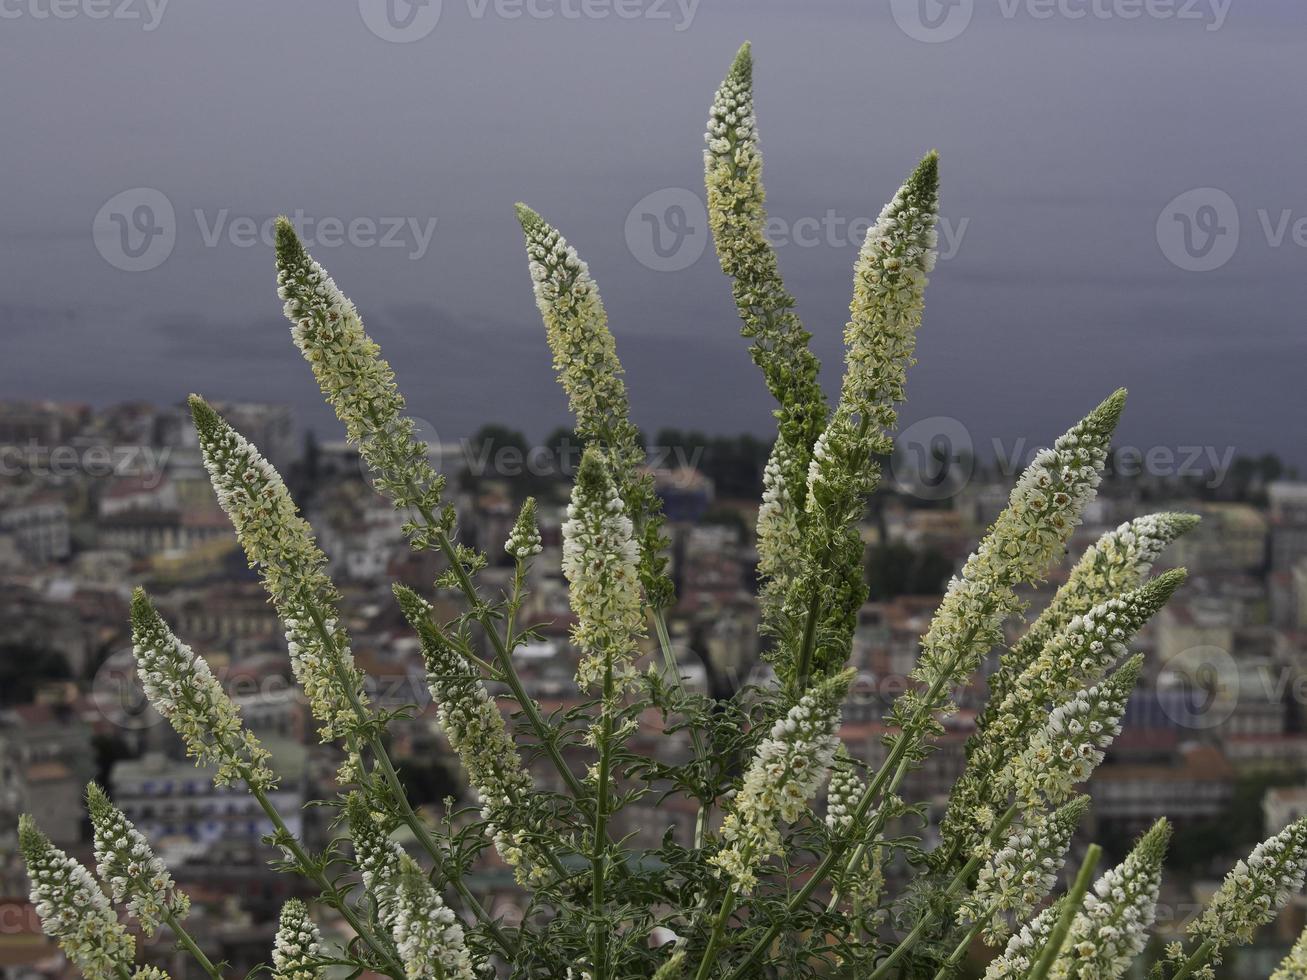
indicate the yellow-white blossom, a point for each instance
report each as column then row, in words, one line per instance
column 428, row 936
column 297, row 946
column 843, row 792
column 1075, row 657
column 738, row 218
column 1118, row 562
column 1254, row 891
column 131, row 871
column 73, row 909
column 524, row 540
column 182, row 688
column 1073, row 740
column 780, row 540
column 787, row 770
column 279, row 543
column 599, row 560
column 1023, row 869
column 1025, row 946
column 358, row 383
column 1294, row 966
column 476, row 731
column 585, row 357
column 1043, row 509
column 1111, row 928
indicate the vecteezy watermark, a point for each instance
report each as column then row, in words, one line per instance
column 148, row 13
column 933, row 459
column 667, row 231
column 36, row 459
column 1201, row 229
column 137, row 229
column 937, row 458
column 937, row 21
column 406, row 21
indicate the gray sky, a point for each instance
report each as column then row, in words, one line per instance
column 1064, row 140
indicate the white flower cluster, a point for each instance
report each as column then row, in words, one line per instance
column 1080, row 654
column 1072, row 742
column 1294, row 966
column 524, row 540
column 1078, row 635
column 357, row 382
column 842, row 793
column 1044, row 508
column 787, row 770
column 1255, row 890
column 150, row 973
column 182, row 688
column 476, row 731
column 280, row 544
column 73, row 909
column 131, row 871
column 585, row 354
column 1026, row 945
column 1023, row 870
column 427, row 934
column 737, row 216
column 889, row 294
column 429, row 937
column 297, row 945
column 599, row 561
column 1119, row 561
column 1111, row 928
column 779, row 541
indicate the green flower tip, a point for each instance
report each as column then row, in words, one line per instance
column 97, row 802
column 925, row 179
column 1155, row 593
column 1105, row 417
column 592, row 474
column 1075, row 810
column 414, row 609
column 143, row 612
column 290, row 250
column 1151, row 847
column 206, row 420
column 1179, row 524
column 832, row 690
column 742, row 66
column 1128, row 673
column 30, row 839
column 528, row 219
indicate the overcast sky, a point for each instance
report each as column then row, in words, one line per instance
column 1067, row 141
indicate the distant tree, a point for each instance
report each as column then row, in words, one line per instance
column 24, row 669
column 896, row 569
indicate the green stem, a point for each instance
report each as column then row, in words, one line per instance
column 930, row 917
column 1198, row 958
column 841, row 847
column 309, row 868
column 959, row 951
column 1074, row 899
column 504, row 658
column 669, row 658
column 720, row 922
column 186, row 940
column 598, row 861
column 381, row 760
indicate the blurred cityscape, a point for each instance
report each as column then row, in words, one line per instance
column 95, row 501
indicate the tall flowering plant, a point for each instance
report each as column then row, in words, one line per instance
column 794, row 862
